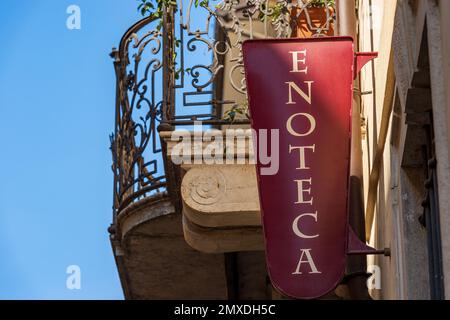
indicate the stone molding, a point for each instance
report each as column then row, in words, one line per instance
column 220, row 201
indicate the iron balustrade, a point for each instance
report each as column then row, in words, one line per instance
column 183, row 67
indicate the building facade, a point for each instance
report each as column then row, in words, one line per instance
column 192, row 230
column 405, row 144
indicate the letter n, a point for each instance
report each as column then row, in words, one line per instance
column 306, row 97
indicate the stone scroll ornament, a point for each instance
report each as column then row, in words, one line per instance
column 304, row 88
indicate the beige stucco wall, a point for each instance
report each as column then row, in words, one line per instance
column 444, row 11
column 444, row 6
column 395, row 30
column 376, row 30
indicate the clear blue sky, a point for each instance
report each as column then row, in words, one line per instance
column 57, row 110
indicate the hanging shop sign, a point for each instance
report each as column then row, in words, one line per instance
column 301, row 90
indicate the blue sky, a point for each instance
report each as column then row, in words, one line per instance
column 57, row 110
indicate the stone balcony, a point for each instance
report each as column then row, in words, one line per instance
column 154, row 261
column 213, row 249
column 220, row 201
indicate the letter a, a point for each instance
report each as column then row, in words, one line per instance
column 73, row 22
column 309, row 260
column 73, row 281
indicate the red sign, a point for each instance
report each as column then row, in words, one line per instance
column 304, row 89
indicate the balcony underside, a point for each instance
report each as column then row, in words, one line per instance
column 155, row 262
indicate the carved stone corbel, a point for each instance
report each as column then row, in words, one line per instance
column 220, row 203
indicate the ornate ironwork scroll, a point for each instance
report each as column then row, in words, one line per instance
column 223, row 27
column 135, row 144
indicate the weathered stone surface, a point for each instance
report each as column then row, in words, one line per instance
column 221, row 196
column 222, row 240
column 220, row 201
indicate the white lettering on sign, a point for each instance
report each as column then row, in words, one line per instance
column 301, row 189
column 304, row 186
column 296, row 61
column 312, row 125
column 296, row 229
column 302, row 155
column 309, row 260
column 306, row 97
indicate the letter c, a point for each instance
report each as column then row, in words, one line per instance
column 297, row 231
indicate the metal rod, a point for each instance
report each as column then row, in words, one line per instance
column 356, row 265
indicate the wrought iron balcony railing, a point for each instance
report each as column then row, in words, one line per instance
column 188, row 66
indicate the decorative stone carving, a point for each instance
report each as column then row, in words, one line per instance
column 221, row 196
column 206, row 188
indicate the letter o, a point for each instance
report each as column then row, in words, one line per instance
column 312, row 122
